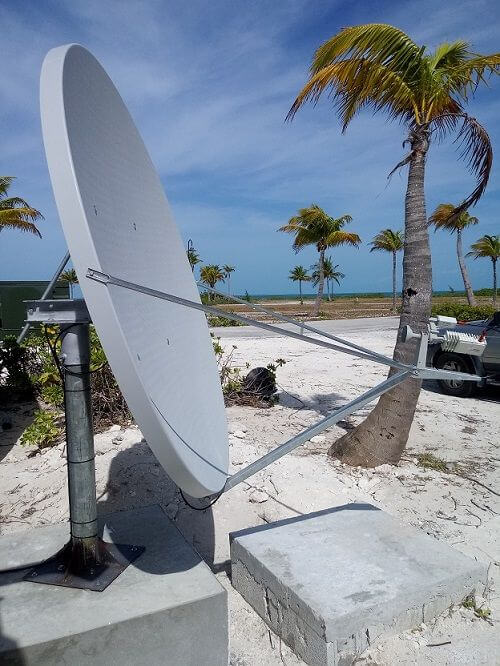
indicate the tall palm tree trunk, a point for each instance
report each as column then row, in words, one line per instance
column 394, row 266
column 471, row 299
column 382, row 436
column 321, row 281
column 494, row 262
column 300, row 292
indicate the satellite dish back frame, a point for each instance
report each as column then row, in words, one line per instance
column 86, row 561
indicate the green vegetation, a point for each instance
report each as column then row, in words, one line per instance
column 479, row 611
column 331, row 274
column 44, row 431
column 488, row 247
column 223, row 321
column 193, row 258
column 463, row 312
column 16, row 213
column 14, row 371
column 312, row 226
column 443, row 218
column 71, row 278
column 429, row 461
column 391, row 241
column 210, row 275
column 232, row 379
column 227, row 269
column 299, row 274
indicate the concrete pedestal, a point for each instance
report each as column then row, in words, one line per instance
column 165, row 608
column 331, row 582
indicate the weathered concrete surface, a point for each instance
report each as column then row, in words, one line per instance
column 330, row 583
column 165, row 608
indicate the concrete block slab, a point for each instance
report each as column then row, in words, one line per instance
column 332, row 582
column 165, row 608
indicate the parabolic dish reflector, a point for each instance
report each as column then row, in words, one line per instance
column 117, row 220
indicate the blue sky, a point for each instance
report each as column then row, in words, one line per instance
column 209, row 85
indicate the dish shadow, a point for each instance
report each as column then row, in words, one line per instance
column 137, row 480
column 323, row 404
column 11, row 655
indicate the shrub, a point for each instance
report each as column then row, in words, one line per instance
column 14, row 370
column 223, row 321
column 44, row 431
column 463, row 312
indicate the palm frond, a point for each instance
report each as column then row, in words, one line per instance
column 357, row 83
column 487, row 246
column 444, row 217
column 336, row 238
column 20, row 225
column 5, row 183
column 387, row 240
column 448, row 55
column 475, row 148
column 378, row 42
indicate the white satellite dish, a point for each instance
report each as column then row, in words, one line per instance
column 116, row 219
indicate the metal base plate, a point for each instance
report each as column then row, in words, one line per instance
column 58, row 570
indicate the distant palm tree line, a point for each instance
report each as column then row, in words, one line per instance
column 311, row 226
column 388, row 240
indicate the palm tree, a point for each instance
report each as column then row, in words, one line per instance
column 71, row 278
column 379, row 67
column 488, row 246
column 299, row 274
column 227, row 270
column 330, row 272
column 193, row 257
column 389, row 241
column 442, row 218
column 210, row 275
column 16, row 213
column 312, row 226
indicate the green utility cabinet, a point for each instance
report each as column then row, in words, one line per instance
column 12, row 307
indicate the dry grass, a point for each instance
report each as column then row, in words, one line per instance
column 341, row 308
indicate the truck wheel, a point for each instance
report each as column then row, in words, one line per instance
column 456, row 387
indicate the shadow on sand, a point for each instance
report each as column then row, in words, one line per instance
column 136, row 479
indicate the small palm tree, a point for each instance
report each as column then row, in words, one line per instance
column 389, row 241
column 331, row 274
column 488, row 246
column 210, row 275
column 193, row 257
column 227, row 270
column 442, row 218
column 379, row 68
column 71, row 278
column 16, row 213
column 299, row 274
column 312, row 226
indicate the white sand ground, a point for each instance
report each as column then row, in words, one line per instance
column 447, row 507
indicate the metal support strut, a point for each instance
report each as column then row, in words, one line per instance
column 407, row 371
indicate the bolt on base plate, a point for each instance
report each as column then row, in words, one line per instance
column 61, row 569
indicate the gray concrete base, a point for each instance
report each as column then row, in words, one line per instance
column 332, row 582
column 166, row 608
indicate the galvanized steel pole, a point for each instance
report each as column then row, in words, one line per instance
column 75, row 357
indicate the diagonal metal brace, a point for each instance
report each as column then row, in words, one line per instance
column 418, row 371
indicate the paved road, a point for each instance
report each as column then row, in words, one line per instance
column 336, row 326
